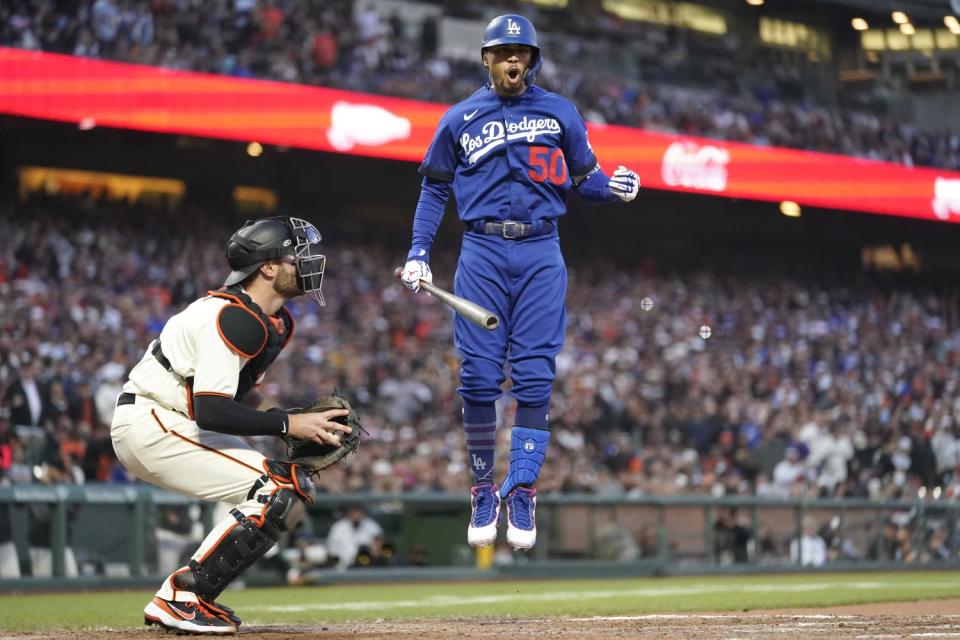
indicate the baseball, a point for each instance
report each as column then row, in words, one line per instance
column 705, row 332
column 646, row 304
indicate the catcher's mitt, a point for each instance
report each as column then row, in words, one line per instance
column 313, row 456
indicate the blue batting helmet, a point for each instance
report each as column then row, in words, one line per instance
column 513, row 29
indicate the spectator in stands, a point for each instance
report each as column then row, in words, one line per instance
column 40, row 529
column 26, row 396
column 809, row 549
column 892, row 545
column 9, row 559
column 173, row 531
column 627, row 381
column 789, row 472
column 355, row 530
column 732, row 537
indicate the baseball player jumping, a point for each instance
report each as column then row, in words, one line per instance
column 193, row 394
column 509, row 153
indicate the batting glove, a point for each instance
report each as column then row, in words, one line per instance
column 415, row 271
column 624, row 184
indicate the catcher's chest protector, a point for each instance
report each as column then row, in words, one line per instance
column 279, row 331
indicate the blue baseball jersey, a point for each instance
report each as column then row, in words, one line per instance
column 510, row 158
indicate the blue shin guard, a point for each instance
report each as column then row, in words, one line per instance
column 528, row 448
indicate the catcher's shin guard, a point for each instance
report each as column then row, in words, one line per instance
column 248, row 538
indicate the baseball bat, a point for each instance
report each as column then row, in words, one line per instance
column 469, row 310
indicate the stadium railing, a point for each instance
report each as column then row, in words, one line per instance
column 110, row 533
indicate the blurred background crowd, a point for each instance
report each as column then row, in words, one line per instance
column 637, row 74
column 818, row 379
column 813, row 383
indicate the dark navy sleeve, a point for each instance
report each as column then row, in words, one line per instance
column 226, row 415
column 440, row 163
column 430, row 207
column 576, row 148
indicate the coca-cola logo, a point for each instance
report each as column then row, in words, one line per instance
column 695, row 166
column 946, row 197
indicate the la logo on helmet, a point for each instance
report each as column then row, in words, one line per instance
column 513, row 28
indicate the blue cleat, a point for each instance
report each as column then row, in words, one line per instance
column 522, row 518
column 485, row 504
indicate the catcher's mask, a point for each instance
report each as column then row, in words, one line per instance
column 258, row 241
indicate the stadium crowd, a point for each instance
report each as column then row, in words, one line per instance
column 673, row 80
column 821, row 384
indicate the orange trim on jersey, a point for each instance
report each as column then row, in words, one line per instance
column 153, row 412
column 234, row 347
column 203, row 446
column 212, row 393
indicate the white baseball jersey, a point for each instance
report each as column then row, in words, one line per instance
column 201, row 359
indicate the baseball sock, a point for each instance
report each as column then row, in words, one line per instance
column 480, row 427
column 528, row 448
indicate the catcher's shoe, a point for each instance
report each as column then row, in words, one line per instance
column 222, row 611
column 522, row 517
column 185, row 617
column 485, row 506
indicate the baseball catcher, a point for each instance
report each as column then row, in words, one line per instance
column 186, row 405
column 510, row 154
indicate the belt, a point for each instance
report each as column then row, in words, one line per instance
column 511, row 229
column 126, row 398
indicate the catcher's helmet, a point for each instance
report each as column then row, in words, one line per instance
column 511, row 28
column 258, row 241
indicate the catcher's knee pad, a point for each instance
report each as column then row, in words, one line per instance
column 243, row 544
column 288, row 475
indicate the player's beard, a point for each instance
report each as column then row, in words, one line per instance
column 287, row 283
column 507, row 86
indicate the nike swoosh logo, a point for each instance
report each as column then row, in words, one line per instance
column 467, row 116
column 182, row 613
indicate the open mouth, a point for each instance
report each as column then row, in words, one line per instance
column 513, row 74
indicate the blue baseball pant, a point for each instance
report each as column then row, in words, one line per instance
column 525, row 283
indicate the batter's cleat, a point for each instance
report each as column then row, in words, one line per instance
column 222, row 611
column 522, row 518
column 185, row 617
column 485, row 506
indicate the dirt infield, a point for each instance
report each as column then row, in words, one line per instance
column 928, row 619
